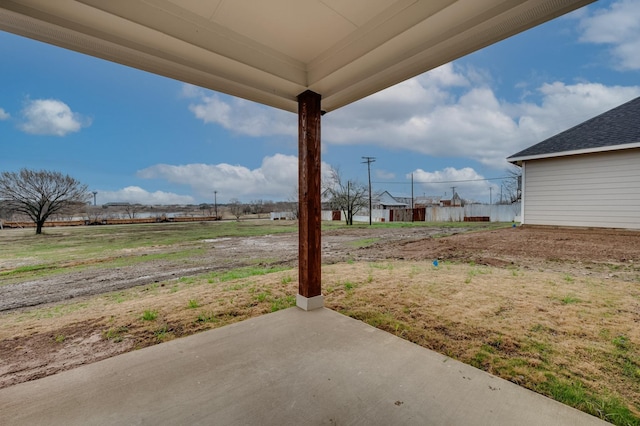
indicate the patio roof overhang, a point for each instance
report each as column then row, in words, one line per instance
column 309, row 56
column 270, row 51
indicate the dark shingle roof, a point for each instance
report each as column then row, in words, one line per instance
column 618, row 126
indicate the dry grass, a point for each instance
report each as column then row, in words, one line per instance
column 574, row 338
column 549, row 332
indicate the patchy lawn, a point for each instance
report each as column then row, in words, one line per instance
column 556, row 311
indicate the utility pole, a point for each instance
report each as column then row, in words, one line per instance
column 349, row 222
column 453, row 194
column 215, row 203
column 490, row 193
column 411, row 197
column 369, row 160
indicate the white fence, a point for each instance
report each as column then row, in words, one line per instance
column 495, row 213
column 378, row 215
column 287, row 216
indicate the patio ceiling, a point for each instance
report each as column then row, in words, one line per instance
column 270, row 51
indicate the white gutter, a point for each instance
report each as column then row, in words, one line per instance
column 575, row 152
column 523, row 194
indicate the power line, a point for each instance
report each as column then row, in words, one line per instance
column 446, row 181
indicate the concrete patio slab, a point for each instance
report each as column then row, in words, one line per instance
column 287, row 368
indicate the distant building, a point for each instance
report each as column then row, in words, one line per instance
column 427, row 201
column 455, row 201
column 116, row 204
column 387, row 201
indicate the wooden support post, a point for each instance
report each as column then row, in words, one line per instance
column 309, row 177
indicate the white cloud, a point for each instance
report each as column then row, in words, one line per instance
column 468, row 122
column 469, row 184
column 4, row 115
column 448, row 112
column 137, row 195
column 51, row 117
column 239, row 115
column 619, row 27
column 276, row 178
column 388, row 110
column 191, row 91
column 564, row 106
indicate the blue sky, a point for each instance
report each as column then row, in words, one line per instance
column 137, row 137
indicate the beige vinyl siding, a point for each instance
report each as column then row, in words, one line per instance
column 595, row 190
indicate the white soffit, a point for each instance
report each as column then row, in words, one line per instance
column 270, row 51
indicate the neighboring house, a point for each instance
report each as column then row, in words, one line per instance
column 455, row 201
column 428, row 201
column 386, row 201
column 588, row 175
column 403, row 200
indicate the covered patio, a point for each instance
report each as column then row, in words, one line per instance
column 310, row 57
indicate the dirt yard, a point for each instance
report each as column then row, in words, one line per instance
column 220, row 254
column 70, row 319
column 547, row 248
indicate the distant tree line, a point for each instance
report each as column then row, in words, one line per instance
column 41, row 195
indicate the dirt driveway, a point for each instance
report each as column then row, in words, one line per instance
column 35, row 345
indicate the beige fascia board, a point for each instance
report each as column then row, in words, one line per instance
column 608, row 148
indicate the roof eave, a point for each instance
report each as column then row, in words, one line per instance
column 220, row 60
column 519, row 159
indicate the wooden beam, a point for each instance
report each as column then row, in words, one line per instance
column 309, row 176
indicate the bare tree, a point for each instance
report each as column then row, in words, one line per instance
column 5, row 212
column 349, row 197
column 207, row 209
column 93, row 215
column 257, row 207
column 132, row 210
column 70, row 211
column 39, row 194
column 236, row 208
column 292, row 203
column 268, row 206
column 512, row 185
